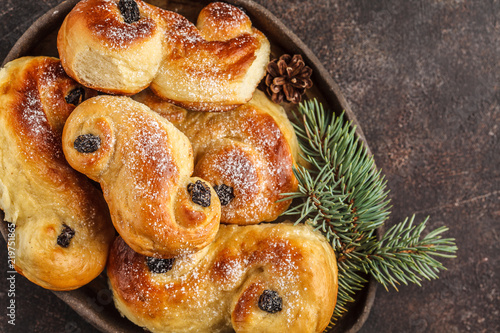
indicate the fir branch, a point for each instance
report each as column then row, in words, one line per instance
column 342, row 194
column 403, row 255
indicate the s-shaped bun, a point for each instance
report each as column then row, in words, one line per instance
column 259, row 278
column 144, row 165
column 63, row 230
column 122, row 47
column 246, row 154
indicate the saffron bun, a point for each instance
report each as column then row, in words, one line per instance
column 63, row 229
column 258, row 278
column 144, row 166
column 246, row 154
column 213, row 66
column 100, row 50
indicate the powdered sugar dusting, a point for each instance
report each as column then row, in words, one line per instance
column 145, row 169
column 121, row 36
column 147, row 159
column 222, row 10
column 266, row 136
column 32, row 113
column 107, row 24
column 236, row 167
column 220, row 21
column 236, row 268
column 180, row 30
column 246, row 150
column 184, row 66
column 41, row 99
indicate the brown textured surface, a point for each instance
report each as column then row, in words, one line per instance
column 422, row 77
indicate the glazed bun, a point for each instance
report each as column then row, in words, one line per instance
column 246, row 154
column 260, row 278
column 215, row 66
column 63, row 229
column 99, row 49
column 144, row 166
column 123, row 46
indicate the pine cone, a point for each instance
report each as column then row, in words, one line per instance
column 288, row 78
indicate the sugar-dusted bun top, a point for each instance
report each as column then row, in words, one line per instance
column 100, row 48
column 122, row 47
column 221, row 21
column 247, row 154
column 260, row 278
column 63, row 228
column 106, row 22
column 144, row 166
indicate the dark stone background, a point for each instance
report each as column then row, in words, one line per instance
column 423, row 79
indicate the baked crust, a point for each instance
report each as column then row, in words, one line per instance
column 213, row 66
column 40, row 193
column 144, row 165
column 218, row 289
column 251, row 149
column 99, row 50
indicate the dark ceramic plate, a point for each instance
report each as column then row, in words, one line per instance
column 93, row 301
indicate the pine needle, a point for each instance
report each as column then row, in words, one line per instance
column 344, row 196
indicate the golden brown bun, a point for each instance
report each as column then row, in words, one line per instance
column 219, row 289
column 144, row 165
column 99, row 50
column 213, row 67
column 46, row 199
column 251, row 149
column 216, row 66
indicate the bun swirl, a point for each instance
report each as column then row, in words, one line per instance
column 261, row 278
column 144, row 165
column 62, row 225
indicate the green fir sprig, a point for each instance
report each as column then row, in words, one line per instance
column 342, row 194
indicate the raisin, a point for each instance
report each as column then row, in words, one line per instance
column 87, row 143
column 75, row 96
column 270, row 301
column 66, row 234
column 200, row 193
column 129, row 10
column 225, row 194
column 156, row 265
